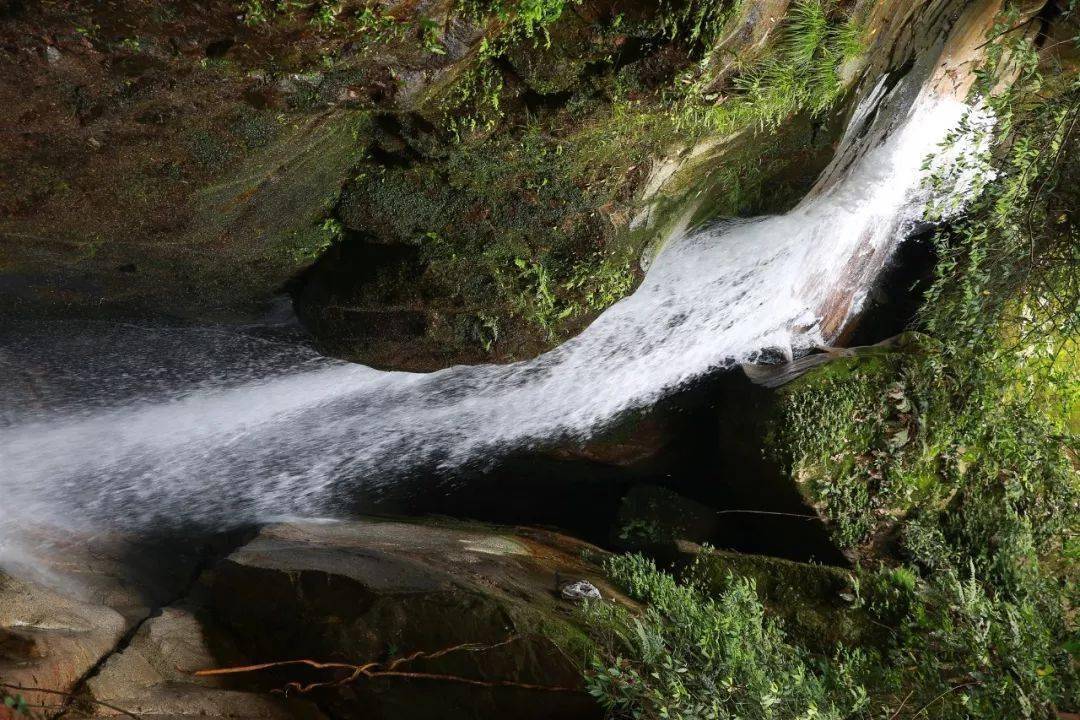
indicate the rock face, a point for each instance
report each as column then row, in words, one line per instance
column 468, row 619
column 376, row 590
column 189, row 161
column 50, row 641
column 153, row 675
column 483, row 191
column 77, row 602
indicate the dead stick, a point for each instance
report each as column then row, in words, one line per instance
column 471, row 647
column 902, row 704
column 350, row 666
column 367, row 671
column 804, row 516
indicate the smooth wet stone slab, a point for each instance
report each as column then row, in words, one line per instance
column 49, row 640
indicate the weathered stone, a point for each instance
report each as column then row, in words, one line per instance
column 49, row 641
column 580, row 590
column 60, row 616
column 629, row 442
column 154, row 675
column 554, row 63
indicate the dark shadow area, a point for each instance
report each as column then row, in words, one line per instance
column 898, row 293
column 707, row 444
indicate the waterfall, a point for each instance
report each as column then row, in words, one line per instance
column 227, row 450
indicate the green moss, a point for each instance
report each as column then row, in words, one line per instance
column 277, row 222
column 957, row 463
column 508, row 228
column 814, row 602
column 208, row 149
column 566, row 632
column 525, row 226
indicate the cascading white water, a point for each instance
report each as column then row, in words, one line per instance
column 293, row 441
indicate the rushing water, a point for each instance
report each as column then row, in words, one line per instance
column 284, row 431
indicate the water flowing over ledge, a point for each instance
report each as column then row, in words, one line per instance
column 295, row 439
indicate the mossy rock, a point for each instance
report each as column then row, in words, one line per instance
column 652, row 517
column 814, row 602
column 555, row 62
column 871, row 403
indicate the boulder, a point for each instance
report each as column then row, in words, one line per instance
column 652, row 518
column 814, row 602
column 153, row 676
column 48, row 641
column 380, row 590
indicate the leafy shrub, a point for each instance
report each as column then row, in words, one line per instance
column 964, row 451
column 689, row 655
column 952, row 462
column 954, row 650
column 801, row 72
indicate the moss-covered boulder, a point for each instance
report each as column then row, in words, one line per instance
column 654, row 518
column 838, row 436
column 816, row 603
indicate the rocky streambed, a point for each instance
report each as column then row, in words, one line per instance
column 376, row 617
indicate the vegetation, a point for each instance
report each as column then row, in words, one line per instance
column 798, row 72
column 529, row 222
column 696, row 655
column 950, row 469
column 801, row 72
column 15, row 704
column 527, row 17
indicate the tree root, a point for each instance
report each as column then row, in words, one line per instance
column 376, row 670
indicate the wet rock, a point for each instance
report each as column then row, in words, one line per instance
column 556, row 65
column 48, row 640
column 377, row 590
column 75, row 602
column 154, row 675
column 625, row 444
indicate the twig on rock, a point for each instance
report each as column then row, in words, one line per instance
column 269, row 665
